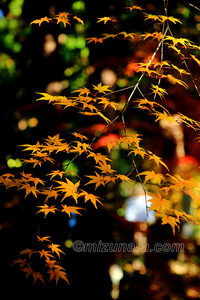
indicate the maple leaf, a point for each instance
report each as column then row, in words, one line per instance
column 36, row 275
column 195, row 59
column 158, row 90
column 33, row 148
column 39, row 21
column 173, row 222
column 69, row 189
column 78, row 19
column 175, row 80
column 181, row 71
column 43, row 239
column 57, row 274
column 82, row 91
column 53, row 264
column 134, row 7
column 81, row 147
column 126, row 35
column 158, row 203
column 27, row 251
column 96, row 179
column 29, row 189
column 94, row 39
column 47, row 97
column 47, row 209
column 164, row 116
column 62, row 17
column 45, row 253
column 55, row 248
column 157, row 159
column 90, row 197
column 106, row 102
column 98, row 157
column 104, row 20
column 171, row 19
column 71, row 209
column 151, row 17
column 56, row 173
column 105, row 168
column 102, row 88
column 151, row 175
column 22, row 262
column 50, row 193
column 80, row 136
column 124, row 178
column 184, row 42
column 154, row 35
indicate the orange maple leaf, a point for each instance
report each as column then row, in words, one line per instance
column 96, row 179
column 78, row 19
column 94, row 199
column 95, row 39
column 43, row 239
column 134, row 7
column 57, row 274
column 55, row 248
column 39, row 21
column 29, row 189
column 62, row 17
column 71, row 209
column 47, row 209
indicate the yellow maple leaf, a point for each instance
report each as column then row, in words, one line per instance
column 158, row 203
column 82, row 91
column 158, row 90
column 105, row 101
column 164, row 116
column 104, row 20
column 105, row 168
column 195, row 59
column 69, row 189
column 157, row 159
column 98, row 157
column 173, row 222
column 102, row 88
column 151, row 175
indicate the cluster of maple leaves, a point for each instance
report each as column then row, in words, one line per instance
column 96, row 102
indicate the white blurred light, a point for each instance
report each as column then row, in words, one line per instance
column 135, row 210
